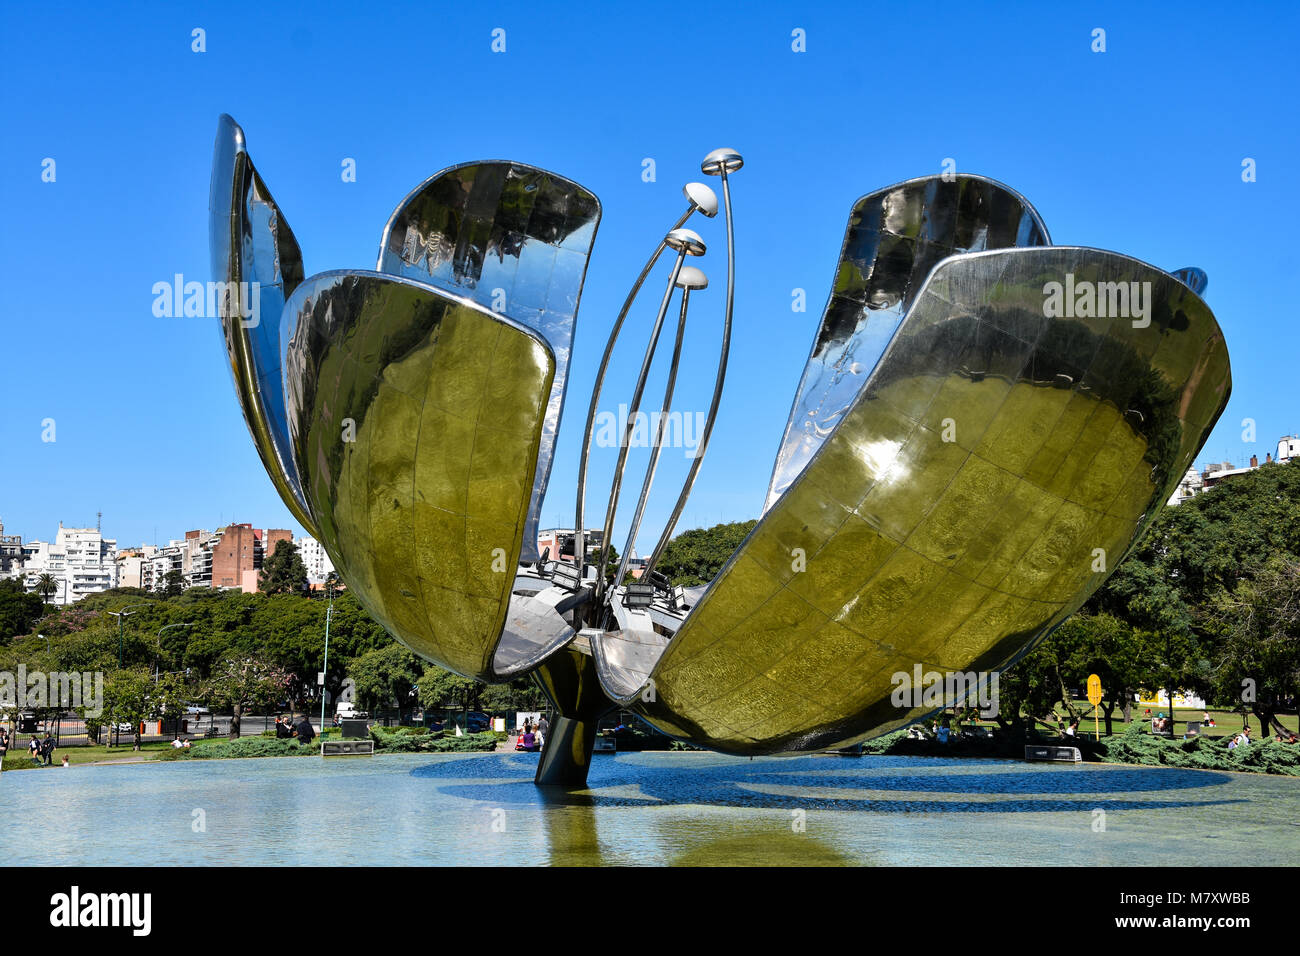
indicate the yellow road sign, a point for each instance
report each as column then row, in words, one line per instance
column 1094, row 690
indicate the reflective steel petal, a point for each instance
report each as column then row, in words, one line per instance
column 1192, row 277
column 954, row 515
column 256, row 255
column 515, row 239
column 894, row 238
column 416, row 417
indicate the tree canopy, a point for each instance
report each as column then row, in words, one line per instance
column 283, row 572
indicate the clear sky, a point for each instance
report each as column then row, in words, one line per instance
column 1138, row 149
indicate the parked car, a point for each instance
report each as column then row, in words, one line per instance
column 348, row 711
column 477, row 723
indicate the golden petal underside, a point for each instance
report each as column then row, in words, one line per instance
column 420, row 437
column 971, row 498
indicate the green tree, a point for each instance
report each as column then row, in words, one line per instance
column 126, row 701
column 241, row 683
column 696, row 556
column 173, row 583
column 283, row 572
column 386, row 676
column 19, row 609
column 46, row 585
column 1256, row 627
column 1118, row 653
column 438, row 688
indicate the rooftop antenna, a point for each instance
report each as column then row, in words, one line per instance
column 99, row 522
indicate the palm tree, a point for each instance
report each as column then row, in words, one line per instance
column 46, row 585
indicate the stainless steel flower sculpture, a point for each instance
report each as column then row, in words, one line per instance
column 985, row 426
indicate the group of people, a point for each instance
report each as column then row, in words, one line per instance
column 42, row 751
column 534, row 735
column 180, row 743
column 303, row 731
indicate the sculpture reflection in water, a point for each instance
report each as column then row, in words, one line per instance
column 982, row 414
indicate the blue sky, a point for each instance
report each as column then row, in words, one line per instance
column 1137, row 149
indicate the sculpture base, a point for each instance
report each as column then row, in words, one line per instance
column 567, row 755
column 569, row 680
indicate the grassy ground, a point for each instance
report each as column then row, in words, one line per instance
column 1226, row 722
column 18, row 759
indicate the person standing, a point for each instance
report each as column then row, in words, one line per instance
column 47, row 749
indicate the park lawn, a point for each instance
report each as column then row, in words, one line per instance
column 78, row 756
column 1226, row 721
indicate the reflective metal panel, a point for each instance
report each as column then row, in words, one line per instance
column 255, row 254
column 955, row 515
column 1192, row 277
column 416, row 417
column 515, row 239
column 894, row 238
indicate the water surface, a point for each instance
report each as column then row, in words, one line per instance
column 652, row 808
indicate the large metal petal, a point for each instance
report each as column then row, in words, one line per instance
column 959, row 509
column 894, row 238
column 256, row 255
column 416, row 416
column 515, row 239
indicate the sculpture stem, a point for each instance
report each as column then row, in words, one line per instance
column 569, row 680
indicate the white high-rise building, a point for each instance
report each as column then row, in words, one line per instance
column 313, row 555
column 153, row 573
column 82, row 560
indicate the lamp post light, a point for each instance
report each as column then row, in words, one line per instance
column 700, row 198
column 119, row 614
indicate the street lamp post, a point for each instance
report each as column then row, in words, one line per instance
column 329, row 614
column 119, row 614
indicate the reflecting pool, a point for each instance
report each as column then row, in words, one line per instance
column 651, row 808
